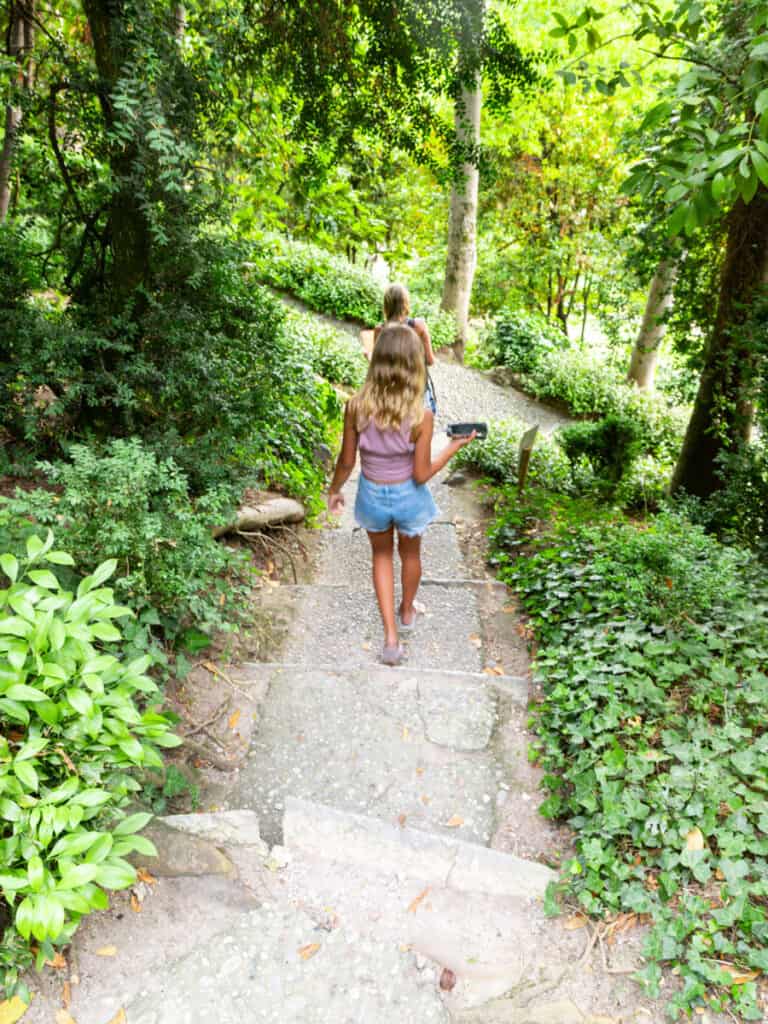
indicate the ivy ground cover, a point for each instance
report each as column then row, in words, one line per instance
column 653, row 651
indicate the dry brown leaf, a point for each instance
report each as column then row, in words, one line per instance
column 694, row 840
column 58, row 963
column 401, row 819
column 234, row 718
column 62, row 1017
column 107, row 951
column 413, row 906
column 509, row 609
column 574, row 922
column 454, row 822
column 66, row 759
column 119, row 1017
column 475, row 640
column 66, row 995
column 447, row 979
column 425, row 799
column 12, row 1010
column 144, row 876
column 738, row 975
column 419, row 771
column 135, row 903
column 406, row 732
column 308, row 951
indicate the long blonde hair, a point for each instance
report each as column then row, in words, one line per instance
column 393, row 392
column 397, row 302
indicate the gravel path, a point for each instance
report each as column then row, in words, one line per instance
column 463, row 393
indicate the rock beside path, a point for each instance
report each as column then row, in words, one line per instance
column 279, row 966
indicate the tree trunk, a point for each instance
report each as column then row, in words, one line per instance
column 645, row 353
column 722, row 413
column 462, row 221
column 129, row 228
column 12, row 111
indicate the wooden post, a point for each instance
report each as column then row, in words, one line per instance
column 527, row 442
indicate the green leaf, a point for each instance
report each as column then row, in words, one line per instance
column 92, row 797
column 104, row 631
column 761, row 103
column 133, row 823
column 78, row 875
column 31, row 748
column 44, row 578
column 10, row 566
column 74, row 844
column 760, row 164
column 59, row 558
column 115, row 874
column 104, row 571
column 26, row 774
column 80, row 701
column 34, row 547
column 22, row 692
column 15, row 627
column 35, row 873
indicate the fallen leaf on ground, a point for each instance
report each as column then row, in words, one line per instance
column 107, row 951
column 135, row 903
column 509, row 609
column 401, row 819
column 493, row 670
column 454, row 822
column 475, row 640
column 58, row 963
column 406, row 732
column 694, row 840
column 447, row 979
column 62, row 1017
column 574, row 922
column 419, row 771
column 119, row 1017
column 308, row 951
column 234, row 718
column 738, row 975
column 66, row 995
column 425, row 799
column 144, row 876
column 414, row 904
column 12, row 1010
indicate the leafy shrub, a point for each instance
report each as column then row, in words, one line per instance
column 498, row 456
column 739, row 511
column 652, row 647
column 333, row 354
column 332, row 285
column 122, row 502
column 610, row 445
column 74, row 727
column 518, row 340
column 327, row 283
column 645, row 485
column 208, row 375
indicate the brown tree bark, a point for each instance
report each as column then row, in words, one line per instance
column 645, row 352
column 722, row 413
column 19, row 36
column 461, row 259
column 129, row 229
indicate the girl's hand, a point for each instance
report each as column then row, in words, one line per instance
column 461, row 441
column 335, row 503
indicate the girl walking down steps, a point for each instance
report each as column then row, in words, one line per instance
column 386, row 420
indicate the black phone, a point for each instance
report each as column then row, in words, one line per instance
column 464, row 429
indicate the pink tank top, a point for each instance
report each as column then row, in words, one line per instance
column 386, row 455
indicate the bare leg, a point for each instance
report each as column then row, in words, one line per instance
column 382, row 548
column 410, row 557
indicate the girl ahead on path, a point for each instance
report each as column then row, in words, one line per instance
column 397, row 310
column 386, row 420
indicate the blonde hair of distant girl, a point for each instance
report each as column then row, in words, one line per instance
column 393, row 392
column 397, row 302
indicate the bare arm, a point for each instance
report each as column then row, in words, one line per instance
column 422, row 330
column 424, row 466
column 344, row 464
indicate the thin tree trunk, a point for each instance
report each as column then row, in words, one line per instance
column 130, row 235
column 462, row 221
column 12, row 111
column 722, row 413
column 645, row 352
column 585, row 308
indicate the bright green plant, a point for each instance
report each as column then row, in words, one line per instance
column 497, row 457
column 124, row 502
column 518, row 340
column 652, row 647
column 77, row 721
column 610, row 445
column 335, row 355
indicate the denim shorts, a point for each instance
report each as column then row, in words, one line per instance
column 408, row 506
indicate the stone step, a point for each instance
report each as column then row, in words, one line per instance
column 327, row 833
column 343, row 628
column 277, row 965
column 393, row 743
column 346, row 558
